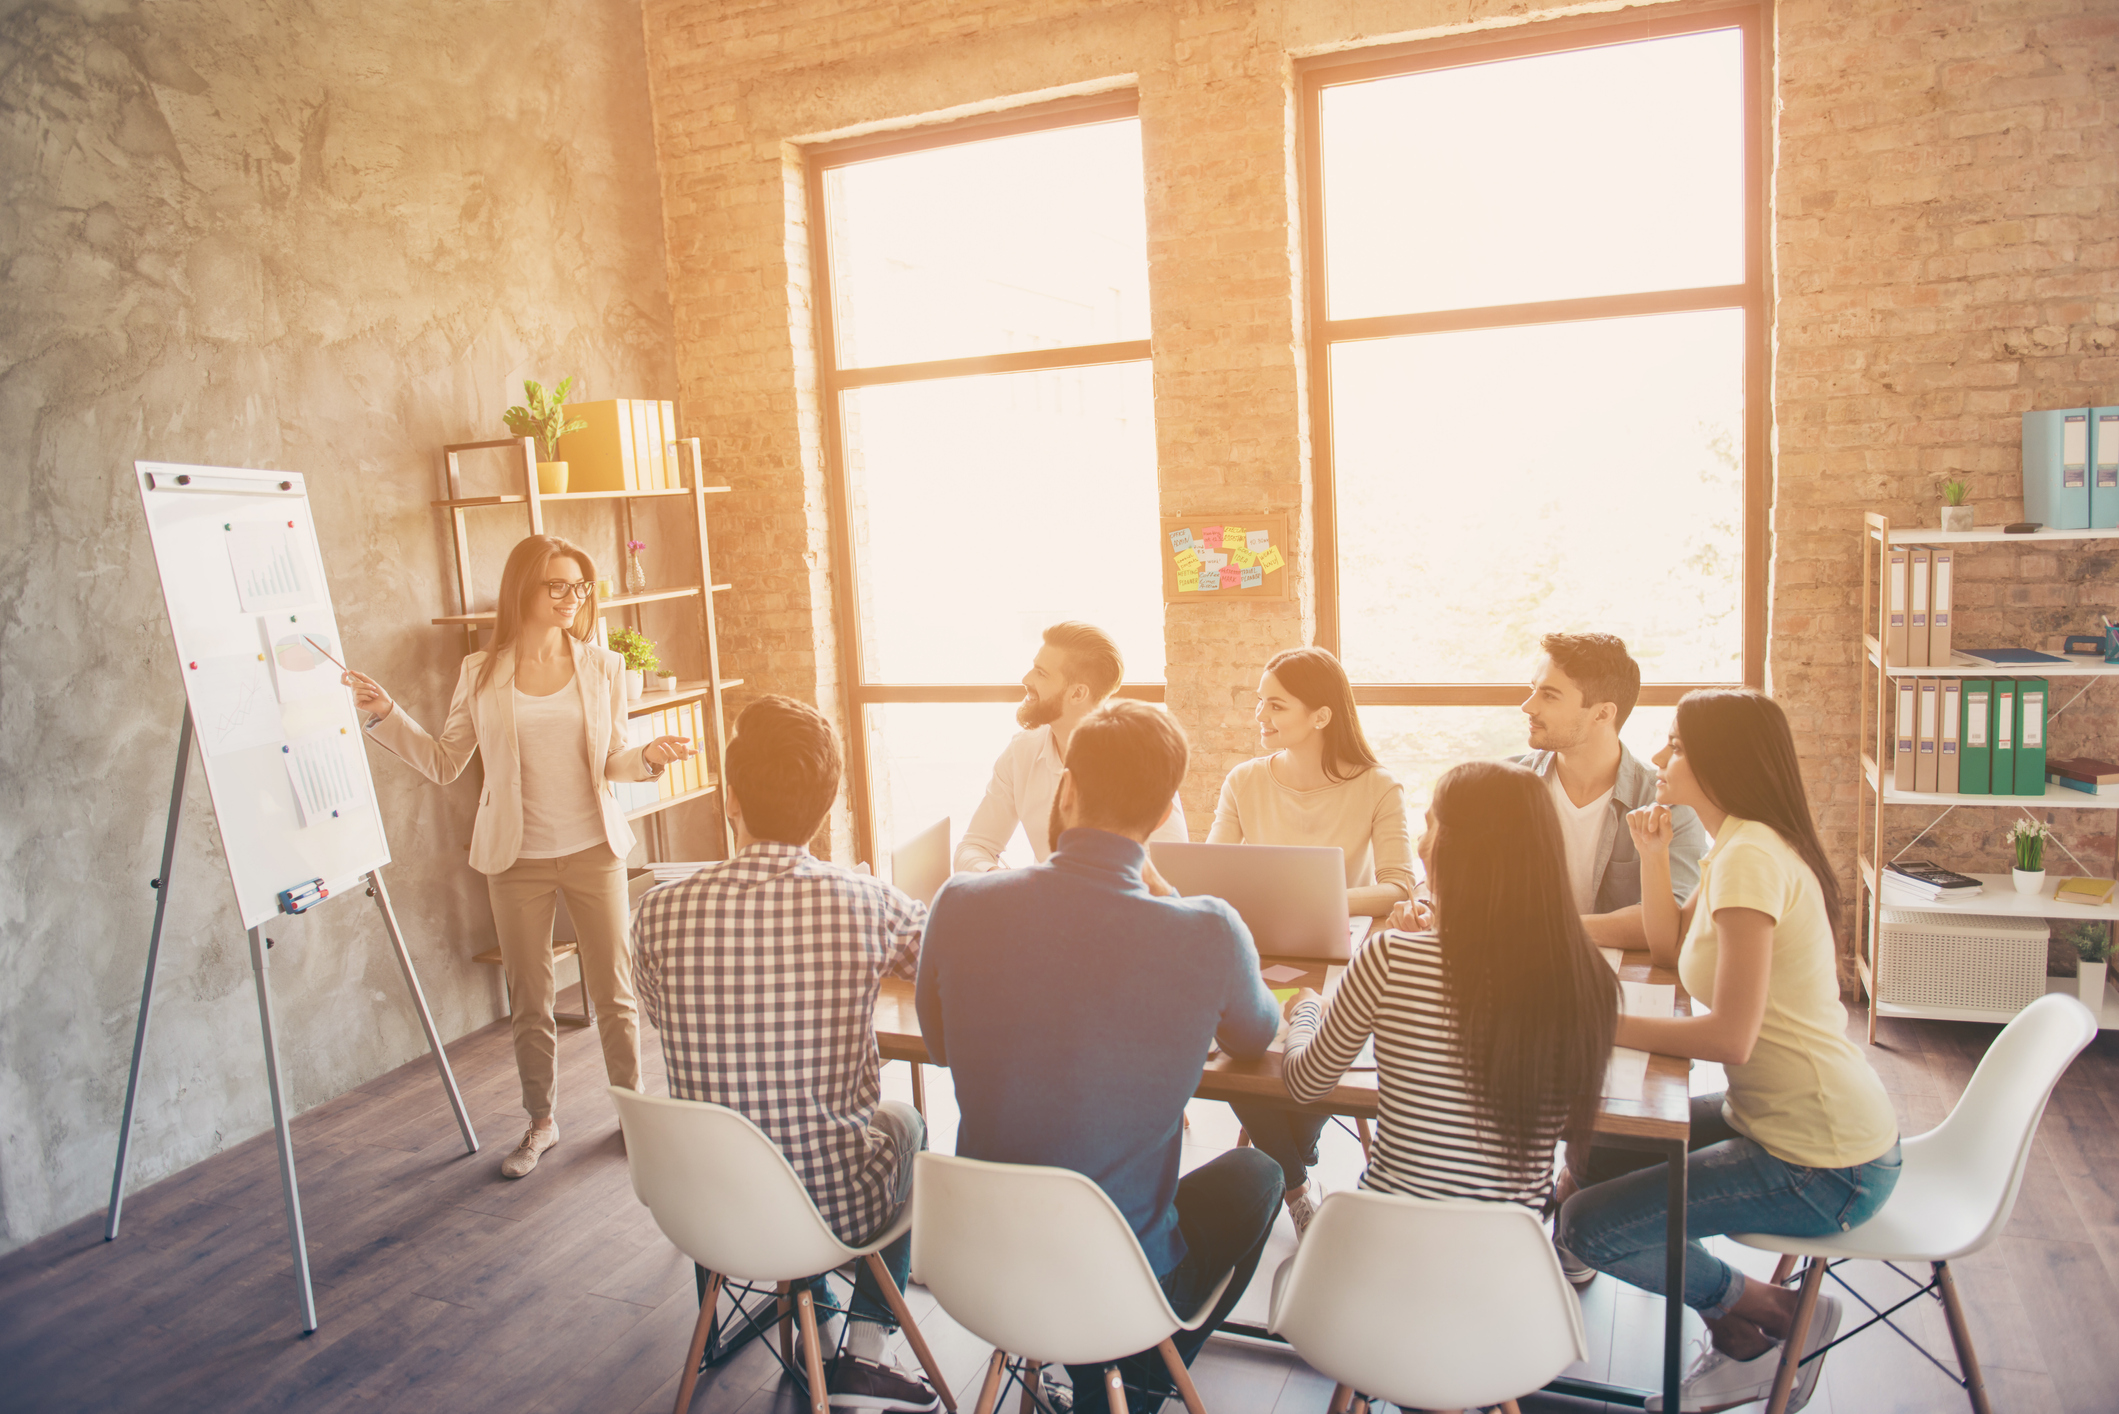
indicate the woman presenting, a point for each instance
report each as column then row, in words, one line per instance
column 547, row 707
column 1319, row 784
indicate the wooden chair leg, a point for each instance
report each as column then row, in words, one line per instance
column 1243, row 1138
column 1509, row 1406
column 990, row 1391
column 907, row 1324
column 1114, row 1390
column 919, row 1088
column 1182, row 1376
column 1783, row 1269
column 1792, row 1347
column 1975, row 1384
column 1342, row 1396
column 1360, row 1405
column 786, row 1310
column 1028, row 1403
column 812, row 1353
column 690, row 1382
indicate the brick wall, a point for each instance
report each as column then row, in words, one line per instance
column 1945, row 240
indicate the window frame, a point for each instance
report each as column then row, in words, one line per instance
column 857, row 692
column 1314, row 76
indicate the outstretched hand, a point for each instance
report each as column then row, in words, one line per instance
column 664, row 750
column 368, row 694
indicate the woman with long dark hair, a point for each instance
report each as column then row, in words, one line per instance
column 547, row 708
column 1804, row 1142
column 1493, row 1027
column 1318, row 783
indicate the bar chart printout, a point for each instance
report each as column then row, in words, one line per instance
column 326, row 783
column 269, row 569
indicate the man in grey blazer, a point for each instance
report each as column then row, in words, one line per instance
column 1581, row 693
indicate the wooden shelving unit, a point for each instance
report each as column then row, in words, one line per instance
column 2000, row 900
column 707, row 689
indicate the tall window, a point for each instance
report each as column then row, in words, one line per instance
column 1537, row 305
column 984, row 331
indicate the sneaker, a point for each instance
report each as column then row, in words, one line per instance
column 534, row 1142
column 1303, row 1205
column 1054, row 1395
column 863, row 1384
column 1577, row 1271
column 1718, row 1381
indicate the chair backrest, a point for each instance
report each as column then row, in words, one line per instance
column 723, row 1192
column 1980, row 1151
column 1036, row 1261
column 1428, row 1304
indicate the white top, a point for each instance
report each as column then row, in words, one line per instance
column 1364, row 815
column 560, row 813
column 1580, row 828
column 1025, row 782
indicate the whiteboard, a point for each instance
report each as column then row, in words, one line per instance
column 279, row 734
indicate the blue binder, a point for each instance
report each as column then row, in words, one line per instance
column 2056, row 468
column 2104, row 468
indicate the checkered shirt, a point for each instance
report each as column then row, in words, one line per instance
column 761, row 973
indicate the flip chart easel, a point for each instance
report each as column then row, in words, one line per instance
column 281, row 746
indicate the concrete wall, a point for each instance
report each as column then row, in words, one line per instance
column 303, row 234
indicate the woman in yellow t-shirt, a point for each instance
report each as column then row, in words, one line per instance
column 1804, row 1142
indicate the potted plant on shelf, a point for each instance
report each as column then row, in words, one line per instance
column 1956, row 515
column 2093, row 945
column 2027, row 837
column 545, row 418
column 640, row 659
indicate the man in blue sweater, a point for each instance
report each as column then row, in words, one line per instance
column 1075, row 1003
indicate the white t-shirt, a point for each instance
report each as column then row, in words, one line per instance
column 1581, row 827
column 560, row 812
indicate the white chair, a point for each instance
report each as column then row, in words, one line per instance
column 1957, row 1188
column 728, row 1199
column 1039, row 1263
column 1428, row 1304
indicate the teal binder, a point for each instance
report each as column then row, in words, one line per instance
column 2004, row 734
column 2056, row 468
column 2030, row 736
column 2104, row 468
column 1975, row 735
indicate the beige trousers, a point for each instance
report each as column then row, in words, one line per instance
column 524, row 901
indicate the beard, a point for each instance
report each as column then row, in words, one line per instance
column 1035, row 711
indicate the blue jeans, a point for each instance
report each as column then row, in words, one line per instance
column 1620, row 1223
column 1225, row 1209
column 1284, row 1134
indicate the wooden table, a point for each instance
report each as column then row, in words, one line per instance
column 1660, row 1121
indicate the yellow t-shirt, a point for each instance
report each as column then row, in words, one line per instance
column 1807, row 1095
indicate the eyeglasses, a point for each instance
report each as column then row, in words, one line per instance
column 569, row 588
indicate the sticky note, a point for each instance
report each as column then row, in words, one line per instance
column 1213, row 560
column 1209, row 582
column 1253, row 577
column 1242, row 559
column 1280, row 972
column 1256, row 541
column 1232, row 537
column 1211, row 537
column 1231, row 577
column 1281, row 994
column 1180, row 540
column 1188, row 561
column 1186, row 583
column 1271, row 560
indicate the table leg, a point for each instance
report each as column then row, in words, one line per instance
column 1674, row 1278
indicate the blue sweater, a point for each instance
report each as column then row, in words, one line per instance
column 1075, row 1010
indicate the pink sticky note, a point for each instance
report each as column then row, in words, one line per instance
column 1211, row 537
column 1231, row 577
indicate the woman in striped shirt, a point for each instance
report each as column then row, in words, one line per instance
column 1493, row 1029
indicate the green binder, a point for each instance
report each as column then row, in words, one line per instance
column 1975, row 735
column 2030, row 736
column 2004, row 729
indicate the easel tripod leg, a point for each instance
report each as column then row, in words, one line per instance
column 281, row 1134
column 381, row 896
column 147, row 985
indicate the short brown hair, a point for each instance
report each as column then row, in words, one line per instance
column 783, row 766
column 1089, row 656
column 1127, row 760
column 1600, row 665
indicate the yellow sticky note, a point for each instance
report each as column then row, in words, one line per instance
column 1271, row 560
column 1281, row 994
column 1188, row 584
column 1242, row 559
column 1232, row 537
column 1188, row 562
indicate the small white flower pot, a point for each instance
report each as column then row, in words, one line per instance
column 1956, row 518
column 667, row 682
column 2089, row 984
column 2028, row 881
column 634, row 686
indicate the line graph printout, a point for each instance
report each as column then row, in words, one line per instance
column 233, row 705
column 327, row 783
column 270, row 567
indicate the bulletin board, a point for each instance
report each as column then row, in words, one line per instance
column 1236, row 556
column 253, row 626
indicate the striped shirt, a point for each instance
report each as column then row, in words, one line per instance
column 761, row 973
column 1430, row 1142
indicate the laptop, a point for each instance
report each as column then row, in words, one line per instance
column 1291, row 897
column 920, row 866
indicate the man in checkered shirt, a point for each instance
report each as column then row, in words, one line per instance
column 761, row 974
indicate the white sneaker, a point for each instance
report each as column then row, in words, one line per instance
column 1578, row 1272
column 1303, row 1205
column 1716, row 1381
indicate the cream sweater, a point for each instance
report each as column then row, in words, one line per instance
column 1364, row 816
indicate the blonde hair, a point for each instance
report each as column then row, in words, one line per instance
column 523, row 576
column 1088, row 656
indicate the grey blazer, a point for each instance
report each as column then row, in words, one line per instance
column 1618, row 862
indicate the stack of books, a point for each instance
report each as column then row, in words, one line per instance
column 2083, row 773
column 2095, row 893
column 1923, row 881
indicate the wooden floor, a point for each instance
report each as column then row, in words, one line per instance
column 442, row 1286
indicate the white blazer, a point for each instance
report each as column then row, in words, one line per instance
column 483, row 719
